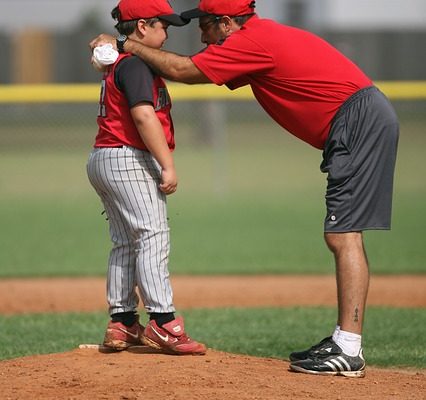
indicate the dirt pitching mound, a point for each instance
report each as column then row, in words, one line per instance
column 89, row 374
column 142, row 374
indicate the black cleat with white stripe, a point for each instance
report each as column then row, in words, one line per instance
column 303, row 355
column 330, row 360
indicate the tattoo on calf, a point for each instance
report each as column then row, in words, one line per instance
column 356, row 317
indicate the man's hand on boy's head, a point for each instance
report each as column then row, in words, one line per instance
column 102, row 39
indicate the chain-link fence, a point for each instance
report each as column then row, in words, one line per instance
column 216, row 128
column 240, row 176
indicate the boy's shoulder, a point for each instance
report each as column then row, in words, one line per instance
column 130, row 63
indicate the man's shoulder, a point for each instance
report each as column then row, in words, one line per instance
column 270, row 34
column 256, row 23
column 259, row 29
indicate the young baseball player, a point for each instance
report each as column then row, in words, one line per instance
column 131, row 168
column 317, row 94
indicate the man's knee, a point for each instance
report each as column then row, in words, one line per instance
column 337, row 242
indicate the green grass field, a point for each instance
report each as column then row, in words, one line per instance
column 390, row 340
column 255, row 205
column 258, row 218
column 70, row 238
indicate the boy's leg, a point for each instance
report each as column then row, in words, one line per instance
column 163, row 331
column 121, row 278
column 123, row 329
column 148, row 208
column 103, row 167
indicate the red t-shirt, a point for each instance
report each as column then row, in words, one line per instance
column 297, row 77
column 126, row 83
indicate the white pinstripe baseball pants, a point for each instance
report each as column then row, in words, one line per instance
column 126, row 179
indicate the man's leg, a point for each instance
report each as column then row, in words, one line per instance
column 342, row 354
column 359, row 158
column 352, row 277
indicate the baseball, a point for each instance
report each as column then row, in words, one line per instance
column 97, row 65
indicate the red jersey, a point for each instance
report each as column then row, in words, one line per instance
column 126, row 83
column 297, row 77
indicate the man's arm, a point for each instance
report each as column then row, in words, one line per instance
column 169, row 65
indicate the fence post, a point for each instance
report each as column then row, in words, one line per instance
column 32, row 57
column 215, row 129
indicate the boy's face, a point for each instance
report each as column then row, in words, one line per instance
column 155, row 34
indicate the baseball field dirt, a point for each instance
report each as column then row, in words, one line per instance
column 143, row 374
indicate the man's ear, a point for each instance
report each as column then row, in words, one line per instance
column 226, row 20
column 227, row 23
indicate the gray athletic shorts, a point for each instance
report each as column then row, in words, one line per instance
column 359, row 157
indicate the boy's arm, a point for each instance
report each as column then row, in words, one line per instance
column 152, row 134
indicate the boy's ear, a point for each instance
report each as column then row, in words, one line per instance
column 141, row 27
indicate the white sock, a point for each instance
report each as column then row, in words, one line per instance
column 349, row 342
column 336, row 333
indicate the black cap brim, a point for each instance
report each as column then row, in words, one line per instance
column 194, row 13
column 174, row 19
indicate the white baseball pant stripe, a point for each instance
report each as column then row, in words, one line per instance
column 127, row 179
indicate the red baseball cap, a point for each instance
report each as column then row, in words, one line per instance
column 140, row 9
column 232, row 8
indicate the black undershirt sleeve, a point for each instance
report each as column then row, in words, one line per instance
column 135, row 79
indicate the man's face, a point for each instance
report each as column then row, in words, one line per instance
column 212, row 30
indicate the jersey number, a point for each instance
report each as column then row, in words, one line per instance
column 102, row 107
